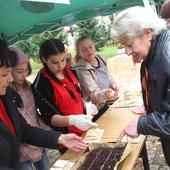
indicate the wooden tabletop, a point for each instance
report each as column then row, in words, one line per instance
column 122, row 102
column 113, row 121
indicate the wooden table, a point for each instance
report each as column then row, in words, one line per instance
column 113, row 121
column 122, row 102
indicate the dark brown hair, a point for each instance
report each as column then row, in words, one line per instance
column 51, row 47
column 8, row 58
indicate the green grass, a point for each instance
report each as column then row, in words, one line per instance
column 107, row 51
column 35, row 65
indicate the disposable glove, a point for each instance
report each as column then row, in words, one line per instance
column 82, row 122
column 91, row 109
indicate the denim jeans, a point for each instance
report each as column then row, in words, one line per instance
column 42, row 164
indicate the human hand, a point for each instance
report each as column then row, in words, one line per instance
column 82, row 122
column 73, row 142
column 91, row 109
column 111, row 94
column 34, row 154
column 115, row 87
column 130, row 130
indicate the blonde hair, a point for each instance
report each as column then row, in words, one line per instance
column 25, row 83
column 77, row 56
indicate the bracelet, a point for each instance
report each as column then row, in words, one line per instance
column 59, row 140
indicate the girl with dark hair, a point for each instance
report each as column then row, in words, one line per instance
column 58, row 94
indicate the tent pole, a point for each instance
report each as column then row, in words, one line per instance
column 149, row 6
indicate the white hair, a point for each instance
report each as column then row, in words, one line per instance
column 132, row 22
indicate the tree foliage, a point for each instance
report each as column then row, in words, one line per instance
column 96, row 31
column 31, row 46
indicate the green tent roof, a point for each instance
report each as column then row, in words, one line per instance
column 21, row 19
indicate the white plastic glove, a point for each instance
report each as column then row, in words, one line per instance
column 91, row 109
column 82, row 122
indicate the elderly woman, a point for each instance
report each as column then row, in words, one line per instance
column 145, row 37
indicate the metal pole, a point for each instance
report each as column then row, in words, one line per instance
column 147, row 4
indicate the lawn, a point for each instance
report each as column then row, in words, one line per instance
column 107, row 51
column 35, row 65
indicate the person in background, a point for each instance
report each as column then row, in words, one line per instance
column 69, row 58
column 30, row 156
column 97, row 84
column 165, row 12
column 58, row 94
column 148, row 40
column 13, row 127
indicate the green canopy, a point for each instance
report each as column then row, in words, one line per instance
column 21, row 19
